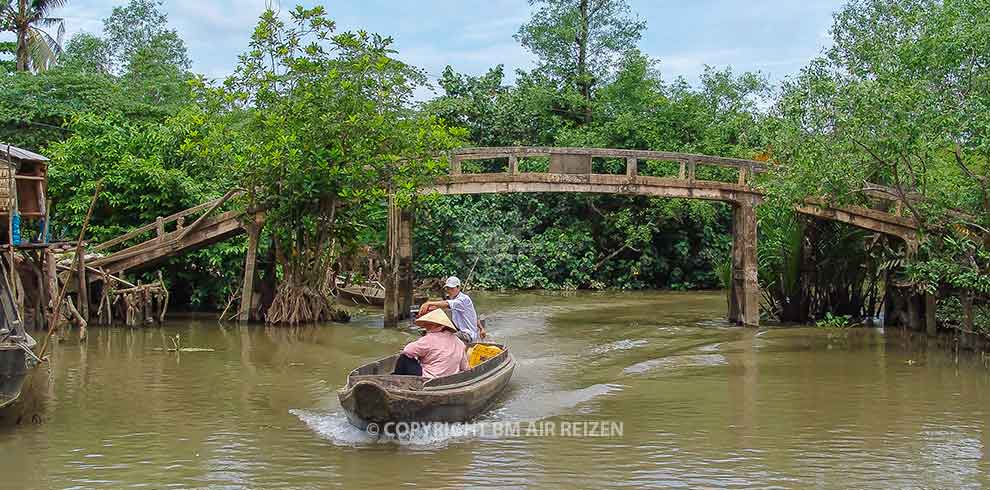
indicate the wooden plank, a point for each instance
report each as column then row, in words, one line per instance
column 219, row 228
column 216, row 204
column 151, row 226
column 632, row 167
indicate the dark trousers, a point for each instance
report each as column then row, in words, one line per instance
column 408, row 366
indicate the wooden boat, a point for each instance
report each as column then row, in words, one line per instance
column 373, row 394
column 15, row 364
column 369, row 295
column 16, row 356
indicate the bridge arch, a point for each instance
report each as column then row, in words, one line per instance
column 570, row 170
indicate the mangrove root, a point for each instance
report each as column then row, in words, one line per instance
column 294, row 304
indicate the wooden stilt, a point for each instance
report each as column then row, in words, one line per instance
column 398, row 267
column 744, row 288
column 405, row 279
column 250, row 263
column 51, row 288
column 391, row 266
column 931, row 324
column 913, row 311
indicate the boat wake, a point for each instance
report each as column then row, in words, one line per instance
column 334, row 427
column 675, row 363
column 508, row 420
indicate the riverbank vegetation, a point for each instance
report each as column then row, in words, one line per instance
column 319, row 126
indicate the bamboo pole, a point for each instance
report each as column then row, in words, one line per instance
column 11, row 210
column 61, row 293
column 83, row 283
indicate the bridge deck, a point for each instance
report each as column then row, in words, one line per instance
column 206, row 230
column 146, row 254
column 571, row 171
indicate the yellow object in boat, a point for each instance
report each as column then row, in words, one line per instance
column 480, row 353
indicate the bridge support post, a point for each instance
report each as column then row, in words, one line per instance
column 744, row 288
column 931, row 323
column 398, row 274
column 253, row 229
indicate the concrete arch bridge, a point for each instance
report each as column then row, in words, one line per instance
column 573, row 170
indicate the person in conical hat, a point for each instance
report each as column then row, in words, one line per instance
column 462, row 311
column 438, row 353
column 436, row 318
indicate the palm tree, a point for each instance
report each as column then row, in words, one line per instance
column 28, row 19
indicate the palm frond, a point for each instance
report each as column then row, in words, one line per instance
column 45, row 6
column 44, row 21
column 6, row 15
column 43, row 49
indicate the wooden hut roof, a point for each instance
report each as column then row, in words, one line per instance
column 19, row 154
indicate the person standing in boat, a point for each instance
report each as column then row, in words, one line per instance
column 462, row 311
column 438, row 353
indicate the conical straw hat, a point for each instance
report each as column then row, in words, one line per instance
column 437, row 317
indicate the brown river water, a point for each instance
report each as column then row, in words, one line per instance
column 641, row 390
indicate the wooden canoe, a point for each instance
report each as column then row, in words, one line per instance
column 15, row 364
column 373, row 394
column 16, row 356
column 369, row 295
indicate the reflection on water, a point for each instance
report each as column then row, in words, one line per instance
column 701, row 404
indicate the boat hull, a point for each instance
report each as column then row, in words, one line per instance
column 15, row 365
column 373, row 396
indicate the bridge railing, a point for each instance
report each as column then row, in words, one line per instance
column 576, row 161
column 159, row 232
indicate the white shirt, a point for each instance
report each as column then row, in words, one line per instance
column 463, row 315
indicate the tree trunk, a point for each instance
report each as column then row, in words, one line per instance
column 22, row 34
column 583, row 78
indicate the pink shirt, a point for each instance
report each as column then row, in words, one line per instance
column 440, row 354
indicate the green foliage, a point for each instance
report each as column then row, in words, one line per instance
column 942, row 265
column 834, row 321
column 577, row 41
column 87, row 53
column 615, row 241
column 35, row 108
column 570, row 241
column 899, row 100
column 144, row 175
column 323, row 133
column 8, row 50
column 35, row 49
column 949, row 312
column 141, row 25
column 321, row 127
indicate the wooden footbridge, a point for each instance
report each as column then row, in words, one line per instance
column 572, row 170
column 171, row 236
column 565, row 170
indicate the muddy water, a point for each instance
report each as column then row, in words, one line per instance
column 655, row 390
